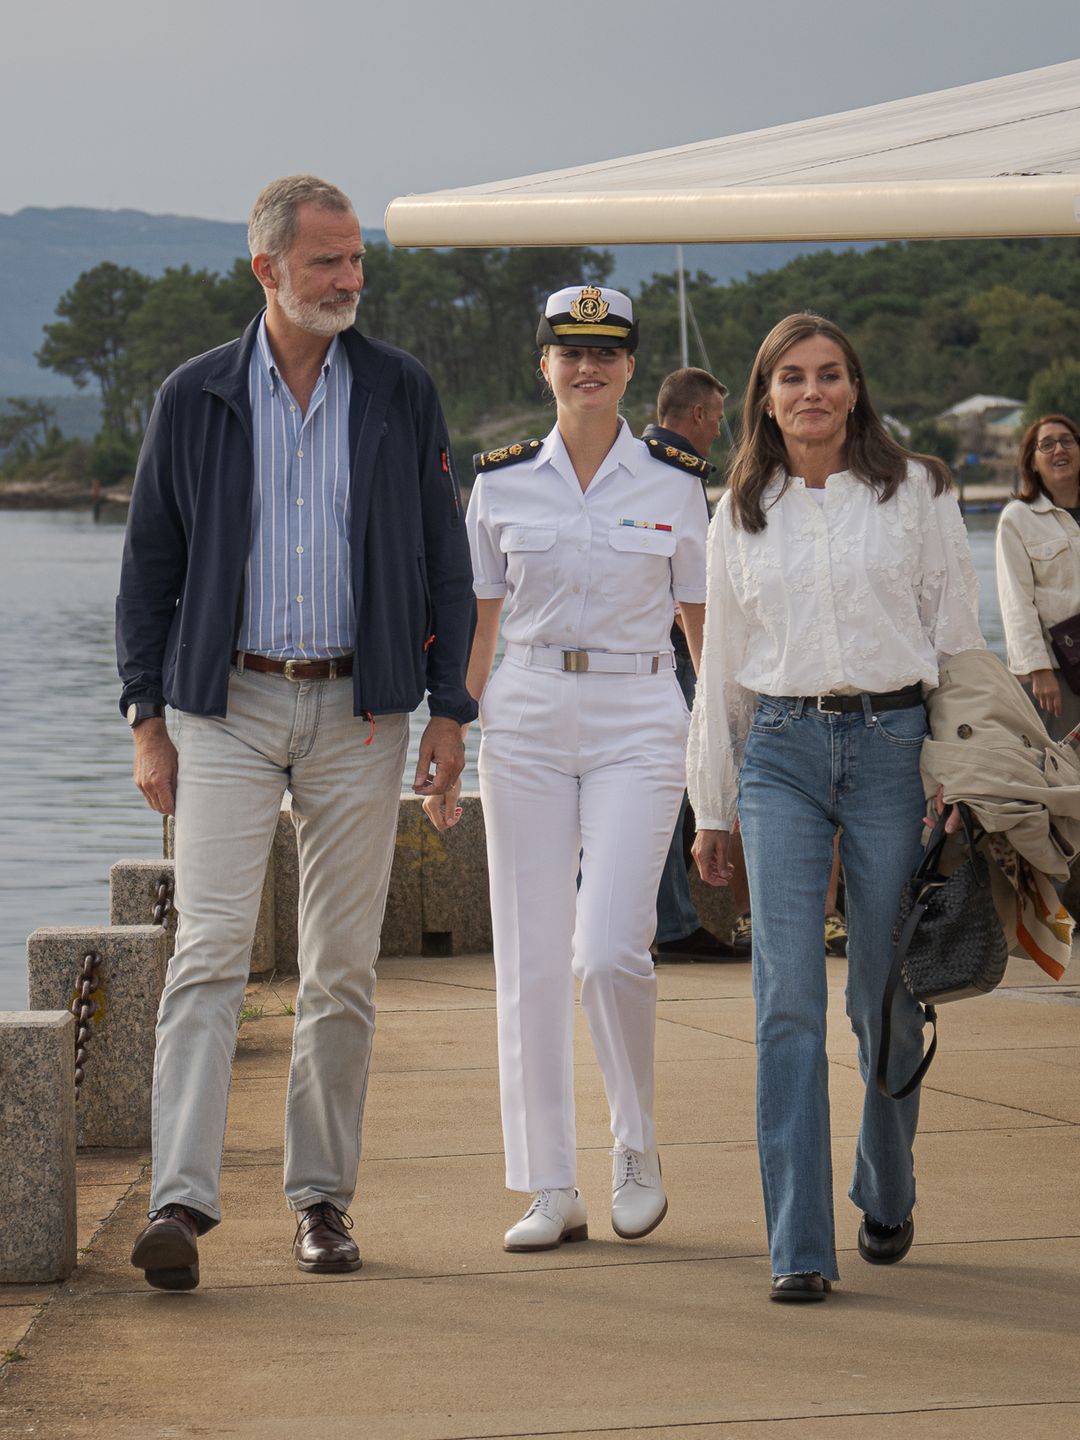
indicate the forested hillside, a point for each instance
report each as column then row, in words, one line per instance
column 933, row 322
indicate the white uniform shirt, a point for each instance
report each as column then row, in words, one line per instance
column 586, row 570
column 840, row 597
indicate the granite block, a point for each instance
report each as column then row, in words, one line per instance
column 285, row 867
column 133, row 894
column 37, row 1146
column 114, row 1103
column 264, row 947
column 714, row 905
column 456, row 907
column 402, row 931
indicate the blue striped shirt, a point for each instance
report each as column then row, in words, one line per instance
column 297, row 588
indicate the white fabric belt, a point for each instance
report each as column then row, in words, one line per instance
column 547, row 657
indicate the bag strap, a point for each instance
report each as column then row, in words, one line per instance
column 927, row 867
column 918, row 910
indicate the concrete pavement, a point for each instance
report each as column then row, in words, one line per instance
column 443, row 1336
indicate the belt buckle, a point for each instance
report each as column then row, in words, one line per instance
column 290, row 670
column 824, row 709
column 575, row 661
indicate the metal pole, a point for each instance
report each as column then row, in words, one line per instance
column 684, row 344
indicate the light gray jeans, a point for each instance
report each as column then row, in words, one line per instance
column 232, row 776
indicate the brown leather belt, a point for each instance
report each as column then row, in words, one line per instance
column 295, row 670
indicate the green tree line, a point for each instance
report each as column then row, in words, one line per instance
column 933, row 322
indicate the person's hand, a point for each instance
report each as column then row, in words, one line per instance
column 445, row 810
column 155, row 765
column 1047, row 691
column 442, row 756
column 711, row 851
column 935, row 808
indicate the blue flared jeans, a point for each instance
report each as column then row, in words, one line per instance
column 806, row 774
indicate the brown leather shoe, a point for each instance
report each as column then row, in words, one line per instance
column 167, row 1250
column 322, row 1243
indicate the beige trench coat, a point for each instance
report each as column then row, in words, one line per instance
column 987, row 746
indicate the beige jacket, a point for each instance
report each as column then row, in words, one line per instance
column 988, row 748
column 1038, row 578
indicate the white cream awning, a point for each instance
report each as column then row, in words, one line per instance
column 1001, row 157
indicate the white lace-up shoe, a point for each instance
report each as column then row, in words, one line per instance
column 638, row 1202
column 553, row 1216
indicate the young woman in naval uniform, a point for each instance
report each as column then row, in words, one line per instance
column 581, row 543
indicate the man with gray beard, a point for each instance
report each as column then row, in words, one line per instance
column 295, row 577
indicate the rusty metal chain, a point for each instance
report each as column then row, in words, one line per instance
column 83, row 1007
column 164, row 902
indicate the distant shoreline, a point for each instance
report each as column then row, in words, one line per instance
column 57, row 495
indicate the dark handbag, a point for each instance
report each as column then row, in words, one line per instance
column 948, row 941
column 1065, row 643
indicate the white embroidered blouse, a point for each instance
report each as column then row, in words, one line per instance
column 844, row 596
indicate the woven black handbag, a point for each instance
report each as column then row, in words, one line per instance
column 1065, row 643
column 948, row 942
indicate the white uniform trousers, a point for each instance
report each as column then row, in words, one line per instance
column 590, row 766
column 233, row 775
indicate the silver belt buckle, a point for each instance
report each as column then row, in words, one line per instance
column 575, row 661
column 828, row 709
column 290, row 670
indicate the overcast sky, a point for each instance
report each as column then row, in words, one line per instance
column 188, row 107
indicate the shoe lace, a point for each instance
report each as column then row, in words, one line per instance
column 542, row 1202
column 629, row 1166
column 173, row 1211
column 743, row 928
column 325, row 1214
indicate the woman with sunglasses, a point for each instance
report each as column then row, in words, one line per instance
column 1038, row 564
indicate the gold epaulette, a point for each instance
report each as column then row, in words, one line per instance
column 505, row 455
column 681, row 459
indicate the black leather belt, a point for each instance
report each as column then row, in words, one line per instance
column 295, row 670
column 853, row 704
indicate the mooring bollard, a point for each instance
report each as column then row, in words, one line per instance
column 37, row 1146
column 140, row 893
column 123, row 988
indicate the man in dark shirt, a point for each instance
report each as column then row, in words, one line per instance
column 689, row 413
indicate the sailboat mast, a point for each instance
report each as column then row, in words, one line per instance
column 684, row 342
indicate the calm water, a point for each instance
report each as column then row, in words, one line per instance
column 68, row 808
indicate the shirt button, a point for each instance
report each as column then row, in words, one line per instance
column 292, row 409
column 299, row 454
column 299, row 502
column 964, row 731
column 299, row 549
column 300, row 599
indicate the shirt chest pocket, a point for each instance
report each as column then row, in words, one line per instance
column 636, row 560
column 530, row 554
column 1056, row 563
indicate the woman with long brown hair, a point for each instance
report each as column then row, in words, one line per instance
column 1038, row 564
column 839, row 574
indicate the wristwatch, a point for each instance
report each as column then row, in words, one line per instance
column 143, row 710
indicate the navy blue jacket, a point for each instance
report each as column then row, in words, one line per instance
column 181, row 584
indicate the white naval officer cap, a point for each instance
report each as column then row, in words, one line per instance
column 588, row 315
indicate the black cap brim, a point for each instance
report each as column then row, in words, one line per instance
column 612, row 334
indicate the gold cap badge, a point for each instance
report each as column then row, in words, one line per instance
column 589, row 307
